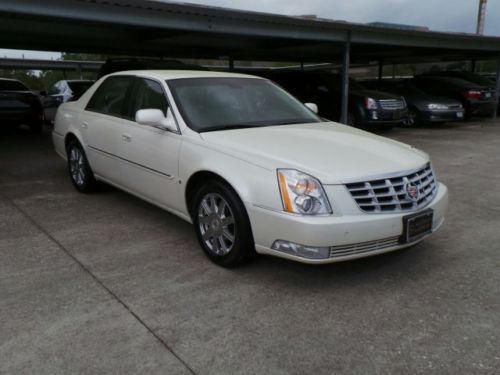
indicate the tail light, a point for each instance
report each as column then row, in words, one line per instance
column 473, row 94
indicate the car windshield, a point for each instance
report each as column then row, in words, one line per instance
column 12, row 86
column 210, row 104
column 79, row 87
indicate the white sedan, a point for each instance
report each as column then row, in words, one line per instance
column 252, row 168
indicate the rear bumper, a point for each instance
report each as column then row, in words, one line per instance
column 482, row 108
column 19, row 116
column 347, row 237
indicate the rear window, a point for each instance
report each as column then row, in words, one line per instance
column 79, row 88
column 12, row 86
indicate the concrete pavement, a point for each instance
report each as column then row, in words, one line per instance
column 106, row 283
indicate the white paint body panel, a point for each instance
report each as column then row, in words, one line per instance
column 155, row 165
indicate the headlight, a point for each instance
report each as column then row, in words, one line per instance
column 371, row 103
column 437, row 107
column 302, row 194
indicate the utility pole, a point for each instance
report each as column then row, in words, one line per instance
column 481, row 15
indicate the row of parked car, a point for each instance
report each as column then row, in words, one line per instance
column 436, row 97
column 21, row 106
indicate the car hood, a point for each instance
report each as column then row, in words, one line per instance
column 374, row 94
column 331, row 152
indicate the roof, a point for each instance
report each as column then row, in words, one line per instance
column 151, row 28
column 178, row 74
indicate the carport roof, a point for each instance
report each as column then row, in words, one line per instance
column 150, row 28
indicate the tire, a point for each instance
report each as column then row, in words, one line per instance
column 222, row 225
column 414, row 118
column 79, row 169
column 351, row 120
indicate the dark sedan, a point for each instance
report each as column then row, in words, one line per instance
column 369, row 109
column 477, row 100
column 423, row 108
column 19, row 105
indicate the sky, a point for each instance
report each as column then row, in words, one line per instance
column 440, row 15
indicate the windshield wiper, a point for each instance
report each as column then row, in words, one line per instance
column 229, row 127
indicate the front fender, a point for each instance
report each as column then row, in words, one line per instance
column 254, row 184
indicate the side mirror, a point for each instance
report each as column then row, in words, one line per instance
column 156, row 119
column 313, row 107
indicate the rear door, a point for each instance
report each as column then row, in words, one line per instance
column 101, row 123
column 148, row 156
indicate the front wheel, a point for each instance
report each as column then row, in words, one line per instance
column 414, row 118
column 222, row 225
column 79, row 169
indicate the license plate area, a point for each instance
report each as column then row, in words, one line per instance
column 417, row 226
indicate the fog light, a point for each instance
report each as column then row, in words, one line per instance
column 309, row 252
column 374, row 115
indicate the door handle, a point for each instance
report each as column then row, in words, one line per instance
column 126, row 137
column 85, row 125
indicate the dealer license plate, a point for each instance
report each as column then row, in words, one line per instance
column 417, row 226
column 460, row 114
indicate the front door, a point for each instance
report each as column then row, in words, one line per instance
column 149, row 156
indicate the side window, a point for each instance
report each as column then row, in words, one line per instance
column 147, row 94
column 109, row 98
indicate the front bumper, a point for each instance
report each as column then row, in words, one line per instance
column 443, row 116
column 374, row 233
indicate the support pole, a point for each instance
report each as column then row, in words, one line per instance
column 79, row 71
column 473, row 64
column 346, row 62
column 380, row 70
column 393, row 71
column 497, row 86
column 231, row 64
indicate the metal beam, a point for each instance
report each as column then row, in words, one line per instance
column 495, row 114
column 346, row 61
column 34, row 64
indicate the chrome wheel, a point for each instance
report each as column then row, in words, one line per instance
column 216, row 224
column 77, row 166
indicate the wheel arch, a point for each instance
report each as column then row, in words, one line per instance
column 199, row 178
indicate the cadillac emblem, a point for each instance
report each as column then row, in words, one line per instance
column 412, row 192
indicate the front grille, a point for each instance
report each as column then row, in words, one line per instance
column 391, row 195
column 391, row 104
column 363, row 247
column 455, row 106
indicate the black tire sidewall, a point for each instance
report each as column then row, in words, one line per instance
column 243, row 248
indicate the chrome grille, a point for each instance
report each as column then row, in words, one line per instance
column 363, row 247
column 391, row 104
column 390, row 194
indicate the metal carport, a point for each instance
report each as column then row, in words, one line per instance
column 149, row 28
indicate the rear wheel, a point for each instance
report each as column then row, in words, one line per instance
column 79, row 169
column 222, row 225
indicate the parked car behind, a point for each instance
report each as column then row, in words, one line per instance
column 466, row 76
column 62, row 92
column 423, row 108
column 252, row 168
column 368, row 109
column 476, row 99
column 19, row 105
